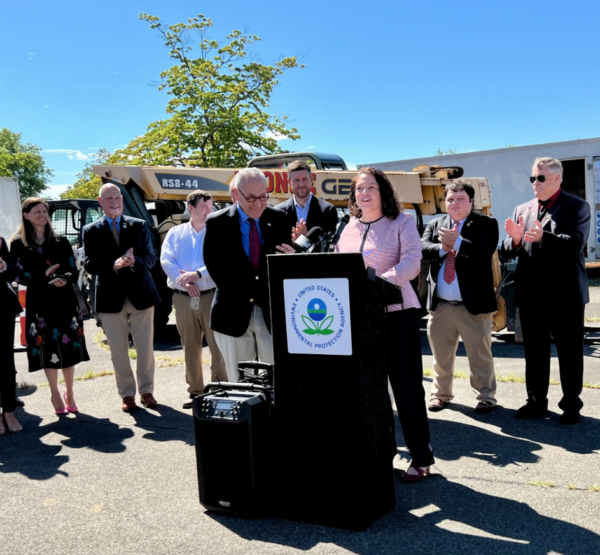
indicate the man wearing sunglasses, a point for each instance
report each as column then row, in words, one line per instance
column 548, row 235
column 237, row 242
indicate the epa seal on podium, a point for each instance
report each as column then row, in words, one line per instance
column 317, row 316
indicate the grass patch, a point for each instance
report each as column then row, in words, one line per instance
column 596, row 488
column 511, row 378
column 89, row 375
column 541, row 484
column 594, row 282
column 164, row 361
column 25, row 385
column 571, row 486
column 592, row 319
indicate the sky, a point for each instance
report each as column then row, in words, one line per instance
column 384, row 80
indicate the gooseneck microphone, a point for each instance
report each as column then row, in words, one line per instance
column 338, row 233
column 307, row 244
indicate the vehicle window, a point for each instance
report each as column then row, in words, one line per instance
column 93, row 214
column 334, row 167
column 62, row 221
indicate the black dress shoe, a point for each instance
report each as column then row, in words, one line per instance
column 570, row 417
column 531, row 410
column 19, row 402
column 188, row 403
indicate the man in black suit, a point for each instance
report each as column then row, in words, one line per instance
column 304, row 210
column 461, row 296
column 119, row 251
column 237, row 242
column 548, row 235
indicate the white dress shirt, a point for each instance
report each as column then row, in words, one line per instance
column 449, row 291
column 182, row 249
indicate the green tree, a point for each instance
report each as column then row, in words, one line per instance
column 219, row 95
column 24, row 162
column 447, row 152
column 88, row 183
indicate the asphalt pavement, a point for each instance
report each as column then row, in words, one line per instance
column 106, row 482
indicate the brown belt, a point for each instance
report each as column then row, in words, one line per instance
column 203, row 292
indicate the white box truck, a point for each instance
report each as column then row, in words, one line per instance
column 507, row 171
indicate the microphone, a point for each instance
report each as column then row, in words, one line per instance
column 307, row 244
column 344, row 221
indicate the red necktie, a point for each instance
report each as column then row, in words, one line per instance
column 449, row 269
column 255, row 245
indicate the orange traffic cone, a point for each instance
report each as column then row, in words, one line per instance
column 22, row 295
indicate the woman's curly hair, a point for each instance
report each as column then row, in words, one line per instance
column 390, row 205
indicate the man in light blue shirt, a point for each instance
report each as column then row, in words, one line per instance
column 182, row 260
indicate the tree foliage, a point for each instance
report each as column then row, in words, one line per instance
column 88, row 183
column 447, row 152
column 219, row 95
column 24, row 162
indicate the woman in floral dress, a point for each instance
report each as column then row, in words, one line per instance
column 54, row 326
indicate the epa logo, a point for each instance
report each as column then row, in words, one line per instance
column 317, row 322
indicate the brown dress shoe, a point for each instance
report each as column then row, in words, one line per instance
column 148, row 400
column 128, row 404
column 436, row 405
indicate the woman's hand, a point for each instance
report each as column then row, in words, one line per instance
column 59, row 282
column 52, row 269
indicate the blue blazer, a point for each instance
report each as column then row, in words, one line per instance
column 135, row 282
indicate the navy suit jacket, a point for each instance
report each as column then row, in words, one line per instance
column 239, row 285
column 320, row 214
column 552, row 270
column 135, row 282
column 9, row 302
column 473, row 264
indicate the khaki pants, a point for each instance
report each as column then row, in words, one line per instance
column 255, row 343
column 116, row 327
column 192, row 326
column 447, row 323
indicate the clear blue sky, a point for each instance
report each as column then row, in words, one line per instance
column 385, row 80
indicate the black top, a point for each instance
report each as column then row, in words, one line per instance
column 54, row 326
column 9, row 302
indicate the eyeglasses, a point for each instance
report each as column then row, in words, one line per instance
column 540, row 178
column 371, row 189
column 252, row 199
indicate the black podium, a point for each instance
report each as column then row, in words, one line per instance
column 333, row 440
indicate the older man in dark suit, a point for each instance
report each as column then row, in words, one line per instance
column 548, row 235
column 304, row 210
column 237, row 242
column 461, row 297
column 119, row 251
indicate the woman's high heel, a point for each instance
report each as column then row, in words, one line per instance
column 59, row 412
column 69, row 409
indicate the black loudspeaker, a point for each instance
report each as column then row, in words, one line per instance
column 232, row 430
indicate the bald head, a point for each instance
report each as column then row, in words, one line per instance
column 111, row 200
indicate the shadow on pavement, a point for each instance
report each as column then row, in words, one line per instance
column 28, row 455
column 165, row 424
column 434, row 516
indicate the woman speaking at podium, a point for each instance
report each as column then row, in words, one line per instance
column 389, row 241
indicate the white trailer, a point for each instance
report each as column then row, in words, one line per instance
column 508, row 169
column 10, row 206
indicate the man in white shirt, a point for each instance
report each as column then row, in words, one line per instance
column 461, row 297
column 182, row 260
